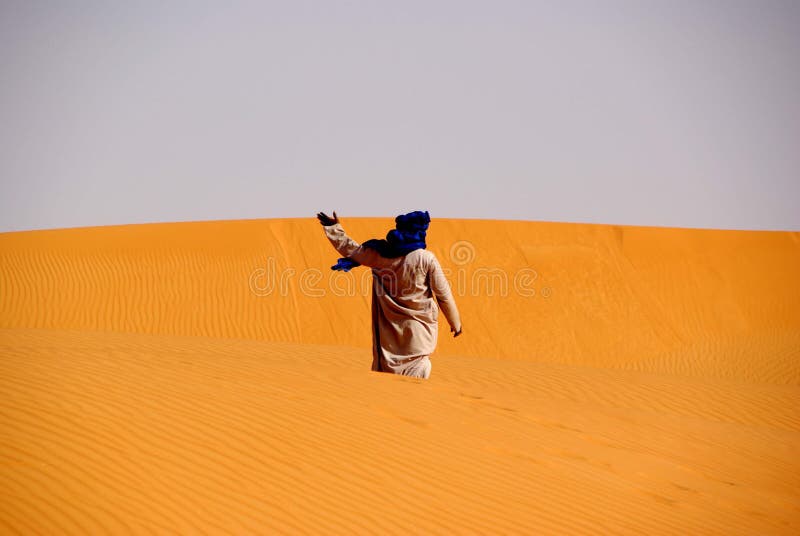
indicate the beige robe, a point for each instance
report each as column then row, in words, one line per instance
column 404, row 312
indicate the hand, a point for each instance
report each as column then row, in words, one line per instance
column 326, row 220
column 457, row 333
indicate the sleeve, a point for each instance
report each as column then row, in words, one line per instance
column 444, row 296
column 348, row 247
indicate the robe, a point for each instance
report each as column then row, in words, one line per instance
column 407, row 293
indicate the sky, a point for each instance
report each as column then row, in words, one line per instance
column 679, row 113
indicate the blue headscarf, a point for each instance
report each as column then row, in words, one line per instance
column 407, row 236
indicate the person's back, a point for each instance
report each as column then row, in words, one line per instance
column 404, row 302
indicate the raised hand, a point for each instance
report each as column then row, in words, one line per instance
column 326, row 220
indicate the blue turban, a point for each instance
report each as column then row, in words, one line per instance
column 407, row 236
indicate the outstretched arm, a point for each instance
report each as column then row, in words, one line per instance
column 348, row 247
column 444, row 296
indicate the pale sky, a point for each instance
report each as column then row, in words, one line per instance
column 648, row 113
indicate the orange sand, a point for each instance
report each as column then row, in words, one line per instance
column 629, row 380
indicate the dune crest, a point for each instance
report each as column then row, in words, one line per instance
column 687, row 301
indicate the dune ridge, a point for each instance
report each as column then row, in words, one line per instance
column 682, row 301
column 149, row 384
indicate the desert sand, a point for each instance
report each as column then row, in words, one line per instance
column 213, row 377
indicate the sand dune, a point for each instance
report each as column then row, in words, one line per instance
column 152, row 383
column 669, row 300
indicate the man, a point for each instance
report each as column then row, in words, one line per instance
column 406, row 279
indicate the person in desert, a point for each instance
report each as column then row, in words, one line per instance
column 408, row 288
